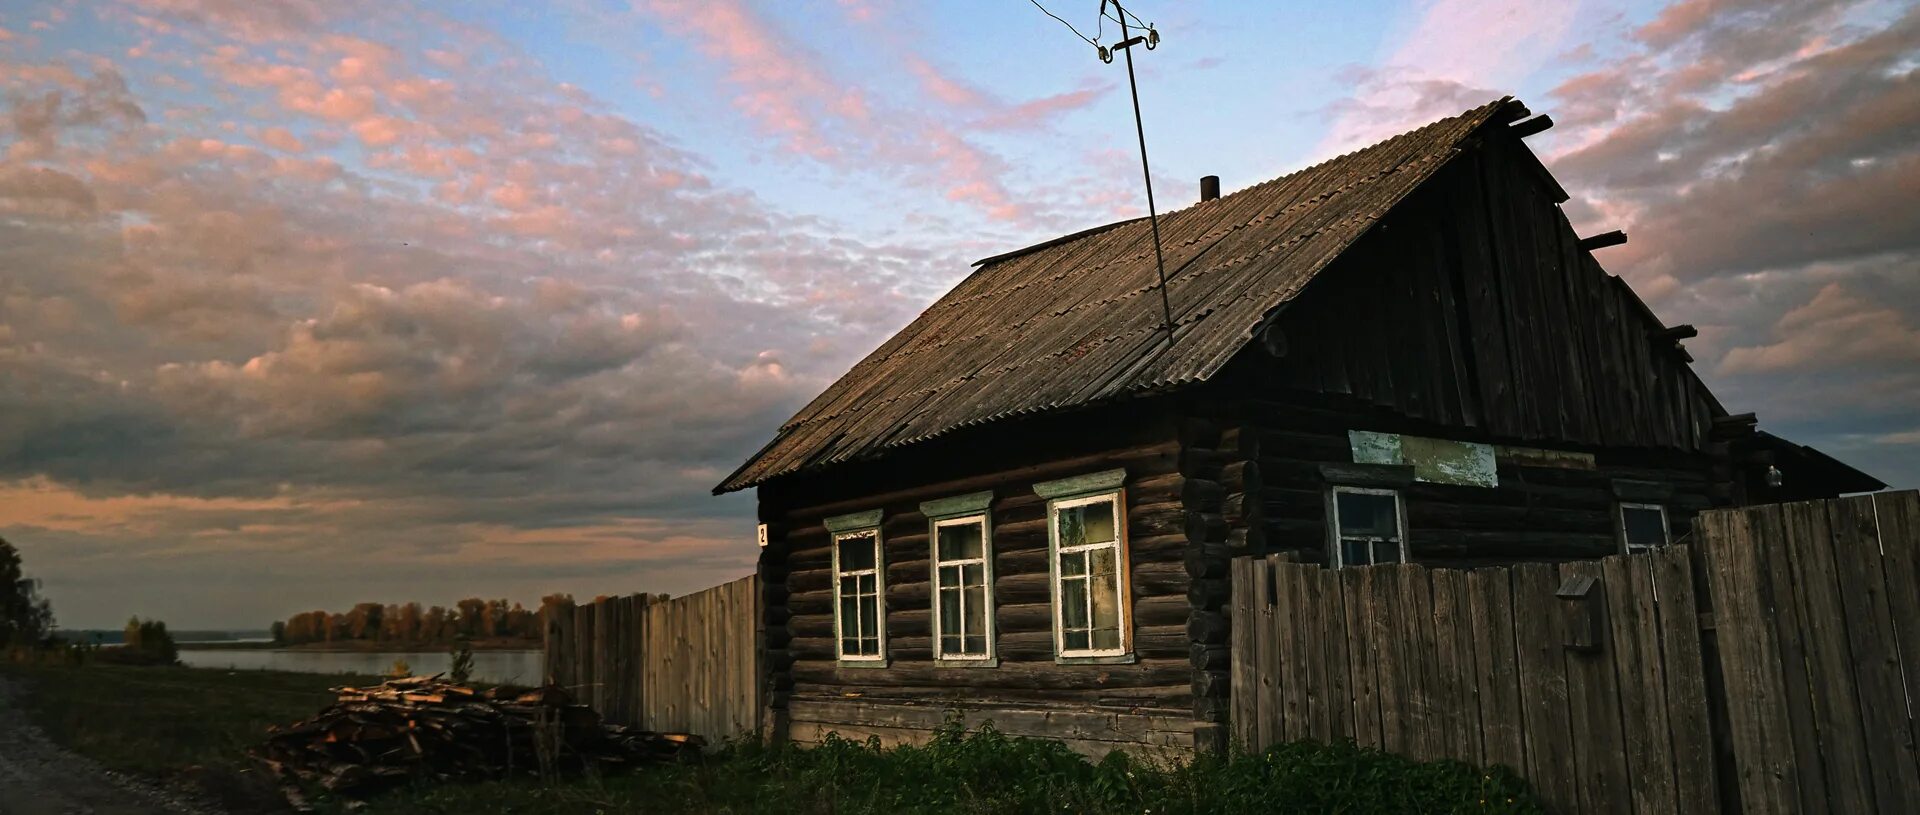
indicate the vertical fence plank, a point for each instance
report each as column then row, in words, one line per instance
column 1899, row 515
column 1453, row 662
column 1240, row 684
column 1543, row 685
column 1820, row 703
column 1272, row 729
column 1876, row 656
column 1682, row 659
column 1356, row 589
column 1593, row 705
column 1311, row 651
column 1750, row 663
column 1635, row 642
column 1424, row 698
column 1490, row 614
column 1292, row 682
column 1338, row 674
column 1383, row 620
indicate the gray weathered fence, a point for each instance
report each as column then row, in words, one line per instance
column 686, row 664
column 1605, row 694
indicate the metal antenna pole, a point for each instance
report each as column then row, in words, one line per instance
column 1126, row 43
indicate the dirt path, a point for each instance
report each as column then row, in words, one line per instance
column 39, row 778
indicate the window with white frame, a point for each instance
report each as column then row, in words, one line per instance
column 859, row 586
column 1643, row 527
column 1368, row 527
column 1089, row 572
column 963, row 598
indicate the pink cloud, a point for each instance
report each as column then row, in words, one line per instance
column 282, row 139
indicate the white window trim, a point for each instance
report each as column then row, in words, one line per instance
column 986, row 571
column 1336, row 552
column 1620, row 526
column 1122, row 565
column 879, row 572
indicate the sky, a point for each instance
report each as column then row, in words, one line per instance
column 312, row 302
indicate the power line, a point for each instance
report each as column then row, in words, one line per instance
column 1076, row 32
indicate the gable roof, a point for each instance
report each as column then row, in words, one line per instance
column 1073, row 321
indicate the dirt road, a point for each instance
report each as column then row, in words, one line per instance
column 39, row 778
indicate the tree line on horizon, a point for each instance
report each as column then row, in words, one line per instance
column 472, row 618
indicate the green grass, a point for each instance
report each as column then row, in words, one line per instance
column 190, row 726
column 989, row 773
column 194, row 725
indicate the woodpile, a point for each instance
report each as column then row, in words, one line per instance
column 427, row 729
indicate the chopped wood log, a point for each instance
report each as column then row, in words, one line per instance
column 427, row 729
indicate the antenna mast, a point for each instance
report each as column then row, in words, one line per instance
column 1126, row 43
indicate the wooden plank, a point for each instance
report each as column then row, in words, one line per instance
column 1290, row 607
column 1543, row 687
column 1310, row 650
column 1593, row 702
column 1427, row 700
column 1876, row 655
column 1390, row 669
column 1750, row 663
column 1356, row 589
column 1635, row 644
column 1490, row 621
column 1458, row 712
column 1272, row 728
column 1822, row 709
column 1689, row 718
column 1899, row 515
column 1339, row 696
column 1243, row 705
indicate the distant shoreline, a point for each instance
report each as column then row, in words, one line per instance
column 363, row 646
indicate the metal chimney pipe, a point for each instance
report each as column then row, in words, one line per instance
column 1209, row 187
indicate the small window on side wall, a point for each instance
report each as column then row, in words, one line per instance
column 961, row 531
column 1643, row 527
column 859, row 588
column 1092, row 603
column 1367, row 527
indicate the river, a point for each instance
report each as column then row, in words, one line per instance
column 507, row 667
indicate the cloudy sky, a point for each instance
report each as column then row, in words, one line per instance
column 310, row 302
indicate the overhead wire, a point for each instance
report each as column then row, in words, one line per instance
column 1063, row 21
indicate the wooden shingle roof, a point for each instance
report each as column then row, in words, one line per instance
column 1075, row 321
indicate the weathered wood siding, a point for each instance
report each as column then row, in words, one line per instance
column 1277, row 501
column 1472, row 305
column 1093, row 707
column 688, row 664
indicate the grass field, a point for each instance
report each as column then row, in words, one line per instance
column 194, row 726
column 181, row 725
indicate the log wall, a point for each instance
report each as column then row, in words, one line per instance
column 1095, row 708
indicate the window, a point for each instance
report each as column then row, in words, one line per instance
column 859, row 586
column 1643, row 527
column 1367, row 527
column 963, row 600
column 1090, row 617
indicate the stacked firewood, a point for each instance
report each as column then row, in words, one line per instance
column 426, row 729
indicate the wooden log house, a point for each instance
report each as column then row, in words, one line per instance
column 1022, row 507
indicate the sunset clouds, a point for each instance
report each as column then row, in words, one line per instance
column 489, row 300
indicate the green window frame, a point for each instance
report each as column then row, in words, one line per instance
column 1089, row 568
column 859, row 589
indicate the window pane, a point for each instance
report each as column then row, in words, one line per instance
column 1355, row 553
column 869, row 646
column 1075, row 640
column 949, row 577
column 1102, row 562
column 866, row 583
column 869, row 617
column 1106, row 639
column 976, row 644
column 1644, row 526
column 850, row 646
column 1087, row 523
column 1073, row 563
column 849, row 614
column 1368, row 514
column 975, row 615
column 1073, row 603
column 950, row 644
column 856, row 551
column 973, row 575
column 1386, row 552
column 1106, row 602
column 960, row 542
column 949, row 611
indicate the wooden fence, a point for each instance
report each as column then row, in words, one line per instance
column 1617, row 695
column 687, row 664
column 1817, row 607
